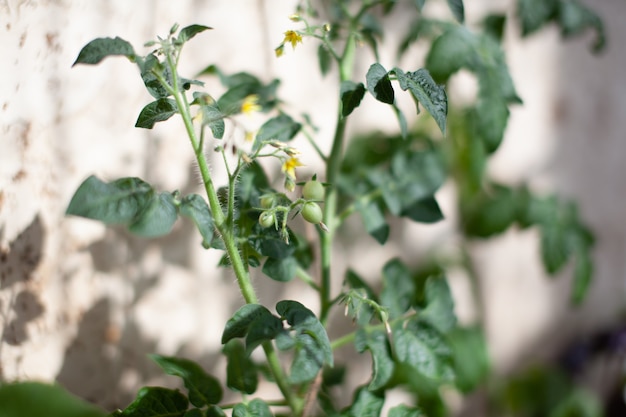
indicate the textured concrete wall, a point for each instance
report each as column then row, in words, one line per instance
column 83, row 304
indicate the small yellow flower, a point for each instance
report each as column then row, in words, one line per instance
column 295, row 18
column 292, row 37
column 250, row 136
column 290, row 165
column 280, row 50
column 250, row 104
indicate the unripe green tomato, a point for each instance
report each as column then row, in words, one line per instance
column 267, row 201
column 266, row 219
column 313, row 190
column 311, row 212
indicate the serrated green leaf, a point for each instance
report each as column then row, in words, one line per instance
column 203, row 388
column 241, row 373
column 424, row 211
column 382, row 363
column 351, row 95
column 238, row 324
column 422, row 348
column 194, row 207
column 457, row 9
column 374, row 221
column 157, row 111
column 404, row 411
column 439, row 310
column 281, row 128
column 117, row 202
column 255, row 408
column 324, row 58
column 379, row 85
column 26, row 399
column 262, row 329
column 282, row 270
column 423, row 88
column 156, row 218
column 98, row 49
column 366, row 404
column 157, row 402
column 190, row 31
column 398, row 288
column 471, row 359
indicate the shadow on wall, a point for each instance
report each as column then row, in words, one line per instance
column 20, row 304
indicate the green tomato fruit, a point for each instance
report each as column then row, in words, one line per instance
column 313, row 190
column 266, row 219
column 267, row 201
column 311, row 212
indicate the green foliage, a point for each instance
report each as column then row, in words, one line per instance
column 407, row 323
column 25, row 399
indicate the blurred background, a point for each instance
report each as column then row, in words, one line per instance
column 83, row 305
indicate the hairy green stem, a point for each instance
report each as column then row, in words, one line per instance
column 225, row 229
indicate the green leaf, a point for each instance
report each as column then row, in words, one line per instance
column 379, row 85
column 117, row 202
column 262, row 329
column 404, row 411
column 494, row 25
column 575, row 18
column 33, row 399
column 98, row 49
column 398, row 288
column 203, row 388
column 157, row 402
column 312, row 344
column 190, row 31
column 238, row 324
column 194, row 412
column 214, row 118
column 471, row 359
column 194, row 207
column 351, row 96
column 404, row 129
column 457, row 9
column 382, row 364
column 422, row 348
column 366, row 404
column 373, row 220
column 424, row 211
column 255, row 408
column 439, row 310
column 157, row 111
column 148, row 67
column 325, row 59
column 215, row 411
column 535, row 13
column 424, row 89
column 491, row 212
column 156, row 218
column 241, row 374
column 283, row 270
column 281, row 128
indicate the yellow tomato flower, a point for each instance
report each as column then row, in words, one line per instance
column 290, row 165
column 293, row 38
column 250, row 136
column 280, row 50
column 250, row 104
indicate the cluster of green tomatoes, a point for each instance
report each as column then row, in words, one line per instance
column 309, row 209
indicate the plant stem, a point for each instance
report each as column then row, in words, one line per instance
column 226, row 230
column 332, row 173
